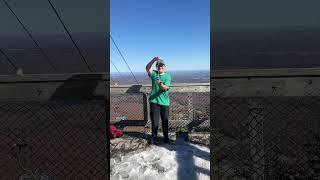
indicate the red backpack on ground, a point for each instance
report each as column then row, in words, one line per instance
column 114, row 132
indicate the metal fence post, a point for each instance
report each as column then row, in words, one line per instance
column 256, row 143
column 190, row 107
column 145, row 107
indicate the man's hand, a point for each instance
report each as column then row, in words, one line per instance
column 155, row 59
column 162, row 86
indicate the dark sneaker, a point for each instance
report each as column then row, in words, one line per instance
column 154, row 141
column 167, row 140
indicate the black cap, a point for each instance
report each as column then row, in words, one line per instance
column 160, row 61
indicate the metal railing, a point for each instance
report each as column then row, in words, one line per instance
column 265, row 124
column 189, row 109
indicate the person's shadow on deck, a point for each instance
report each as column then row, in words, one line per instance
column 184, row 156
column 79, row 87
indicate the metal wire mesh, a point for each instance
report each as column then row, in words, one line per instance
column 190, row 110
column 266, row 138
column 181, row 110
column 201, row 111
column 56, row 139
column 187, row 110
column 126, row 107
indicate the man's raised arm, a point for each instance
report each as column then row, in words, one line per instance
column 149, row 65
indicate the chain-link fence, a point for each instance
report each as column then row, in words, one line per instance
column 266, row 137
column 190, row 110
column 54, row 127
column 127, row 111
column 187, row 110
column 130, row 112
column 55, row 139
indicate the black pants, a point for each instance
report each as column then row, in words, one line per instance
column 155, row 111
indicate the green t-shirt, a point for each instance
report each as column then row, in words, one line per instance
column 157, row 95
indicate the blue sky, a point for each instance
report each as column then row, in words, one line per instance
column 177, row 31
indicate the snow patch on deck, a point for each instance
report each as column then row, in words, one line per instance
column 178, row 160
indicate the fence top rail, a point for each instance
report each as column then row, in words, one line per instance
column 146, row 88
column 30, row 78
column 172, row 85
column 265, row 73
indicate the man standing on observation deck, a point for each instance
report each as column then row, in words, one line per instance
column 159, row 98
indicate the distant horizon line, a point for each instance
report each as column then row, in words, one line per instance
column 167, row 71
